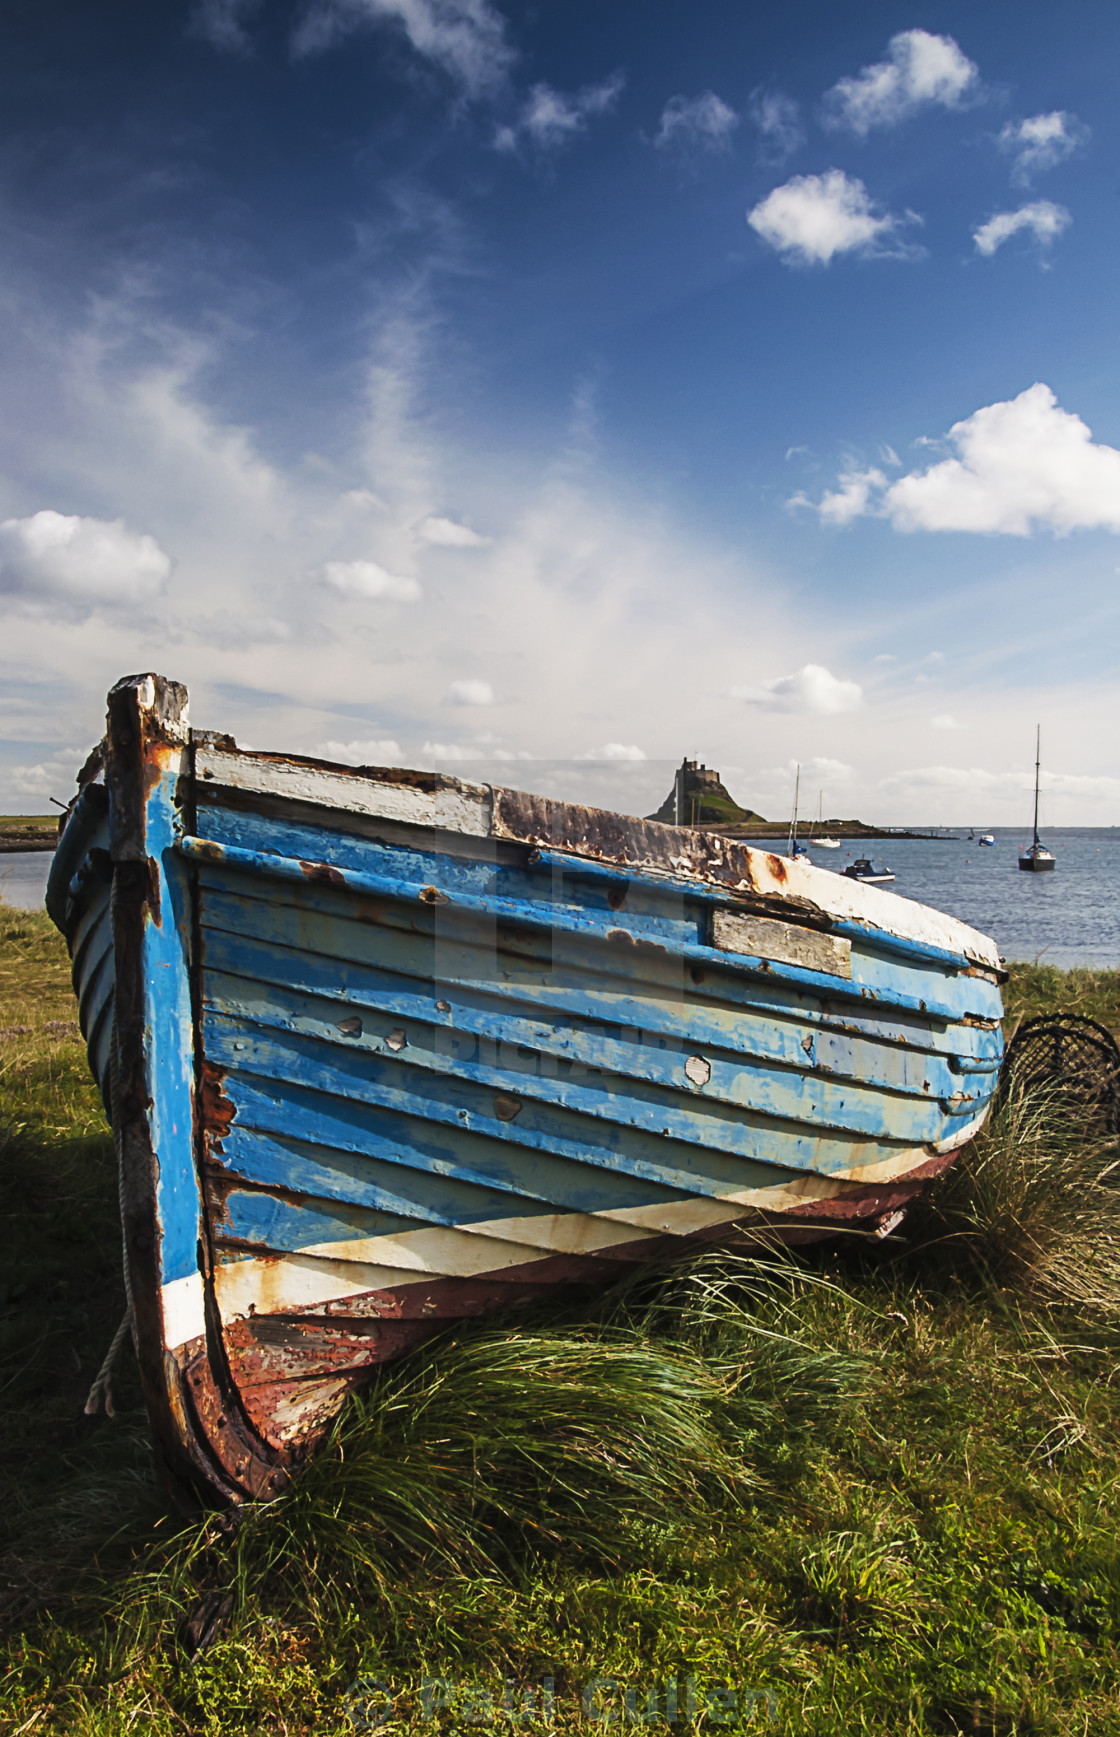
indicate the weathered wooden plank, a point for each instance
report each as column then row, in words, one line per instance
column 619, row 1078
column 450, row 1172
column 418, row 799
column 947, row 994
column 350, row 934
column 664, row 1140
column 463, row 1007
column 767, row 938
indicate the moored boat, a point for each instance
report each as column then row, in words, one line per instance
column 795, row 850
column 873, row 874
column 986, row 838
column 383, row 1049
column 1034, row 857
column 823, row 841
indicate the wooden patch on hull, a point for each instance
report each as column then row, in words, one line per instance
column 767, row 938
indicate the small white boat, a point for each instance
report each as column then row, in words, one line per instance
column 1035, row 857
column 823, row 843
column 986, row 838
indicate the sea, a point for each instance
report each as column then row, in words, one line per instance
column 1068, row 917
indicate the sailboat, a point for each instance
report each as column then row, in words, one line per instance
column 823, row 843
column 1036, row 858
column 793, row 848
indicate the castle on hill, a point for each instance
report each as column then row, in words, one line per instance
column 699, row 798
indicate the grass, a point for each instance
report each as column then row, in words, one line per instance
column 851, row 1492
column 1033, row 990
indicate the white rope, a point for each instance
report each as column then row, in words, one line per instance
column 102, row 1388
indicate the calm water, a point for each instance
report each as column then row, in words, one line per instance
column 1069, row 917
column 23, row 877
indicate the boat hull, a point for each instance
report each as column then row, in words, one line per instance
column 387, row 1050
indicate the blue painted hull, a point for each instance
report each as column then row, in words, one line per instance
column 400, row 1050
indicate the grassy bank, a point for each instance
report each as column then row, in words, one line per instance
column 852, row 1493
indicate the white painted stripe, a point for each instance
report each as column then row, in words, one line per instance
column 328, row 1272
column 184, row 1316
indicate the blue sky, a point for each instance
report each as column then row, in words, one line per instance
column 543, row 391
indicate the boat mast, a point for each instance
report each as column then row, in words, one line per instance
column 1037, row 763
column 792, row 844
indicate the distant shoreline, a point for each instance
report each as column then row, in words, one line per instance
column 780, row 829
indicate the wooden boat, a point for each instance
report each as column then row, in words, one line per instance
column 382, row 1049
column 1034, row 857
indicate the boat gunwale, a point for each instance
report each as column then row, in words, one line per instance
column 514, row 816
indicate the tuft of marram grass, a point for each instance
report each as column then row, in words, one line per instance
column 632, row 1436
column 1032, row 1205
column 600, row 1442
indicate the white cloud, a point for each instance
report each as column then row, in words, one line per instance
column 1020, row 466
column 222, row 23
column 447, row 534
column 465, row 38
column 814, row 217
column 820, row 766
column 978, row 782
column 52, row 777
column 551, row 118
column 470, row 693
column 381, row 751
column 812, row 689
column 367, row 579
column 1042, row 218
column 850, row 501
column 703, row 123
column 922, row 69
column 1040, row 142
column 435, row 752
column 63, row 557
column 1023, row 465
column 613, row 751
column 945, row 721
column 778, row 119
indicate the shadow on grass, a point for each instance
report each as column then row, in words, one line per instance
column 81, row 1498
